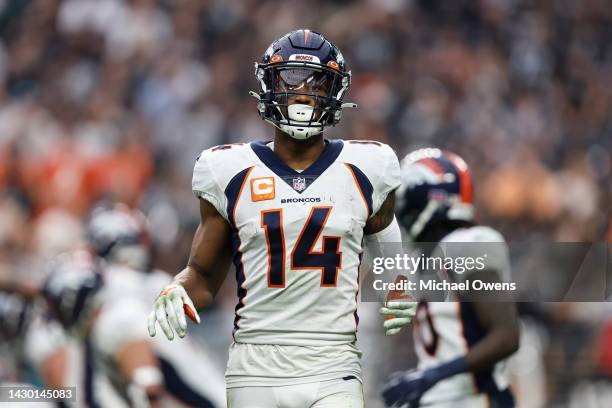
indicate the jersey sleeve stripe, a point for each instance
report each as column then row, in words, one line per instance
column 363, row 185
column 240, row 278
column 233, row 191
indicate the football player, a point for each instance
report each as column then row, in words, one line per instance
column 461, row 346
column 117, row 351
column 34, row 346
column 74, row 294
column 293, row 214
column 15, row 315
column 119, row 236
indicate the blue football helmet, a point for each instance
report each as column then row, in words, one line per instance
column 302, row 62
column 71, row 287
column 120, row 235
column 15, row 314
column 436, row 186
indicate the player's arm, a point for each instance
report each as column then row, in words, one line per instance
column 45, row 348
column 53, row 368
column 137, row 362
column 500, row 323
column 209, row 259
column 383, row 218
column 196, row 285
column 381, row 229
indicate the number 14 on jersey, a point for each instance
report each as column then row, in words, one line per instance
column 303, row 256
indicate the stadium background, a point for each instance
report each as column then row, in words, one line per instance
column 115, row 99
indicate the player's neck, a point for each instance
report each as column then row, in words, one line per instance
column 298, row 154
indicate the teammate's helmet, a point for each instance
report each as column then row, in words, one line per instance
column 436, row 186
column 15, row 314
column 120, row 235
column 302, row 62
column 71, row 287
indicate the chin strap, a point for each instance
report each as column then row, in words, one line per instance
column 295, row 130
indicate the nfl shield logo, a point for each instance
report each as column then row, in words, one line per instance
column 299, row 183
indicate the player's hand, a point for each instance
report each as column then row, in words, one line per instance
column 398, row 313
column 169, row 311
column 407, row 387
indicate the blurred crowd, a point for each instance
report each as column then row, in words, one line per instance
column 114, row 100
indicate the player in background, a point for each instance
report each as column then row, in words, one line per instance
column 461, row 346
column 74, row 294
column 34, row 349
column 293, row 214
column 98, row 300
column 17, row 368
column 120, row 237
column 15, row 316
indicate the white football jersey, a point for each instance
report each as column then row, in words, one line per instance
column 125, row 301
column 297, row 235
column 444, row 331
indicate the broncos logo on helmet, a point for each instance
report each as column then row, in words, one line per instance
column 436, row 186
column 302, row 62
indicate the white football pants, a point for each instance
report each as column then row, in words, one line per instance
column 325, row 394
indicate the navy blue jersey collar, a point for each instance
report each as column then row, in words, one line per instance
column 273, row 162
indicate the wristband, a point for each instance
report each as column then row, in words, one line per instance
column 147, row 376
